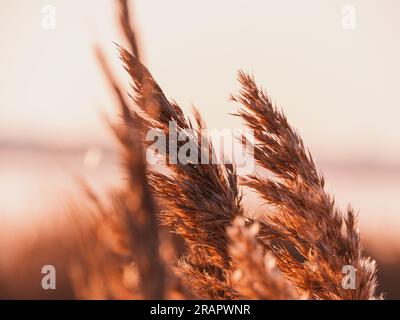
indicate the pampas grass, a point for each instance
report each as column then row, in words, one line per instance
column 304, row 213
column 295, row 251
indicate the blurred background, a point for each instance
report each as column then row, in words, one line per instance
column 332, row 65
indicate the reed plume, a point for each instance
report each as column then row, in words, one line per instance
column 200, row 200
column 137, row 207
column 304, row 213
column 256, row 275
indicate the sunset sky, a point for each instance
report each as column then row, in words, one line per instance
column 339, row 88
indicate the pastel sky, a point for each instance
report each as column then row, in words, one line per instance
column 339, row 87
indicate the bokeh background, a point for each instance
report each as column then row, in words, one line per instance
column 339, row 87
